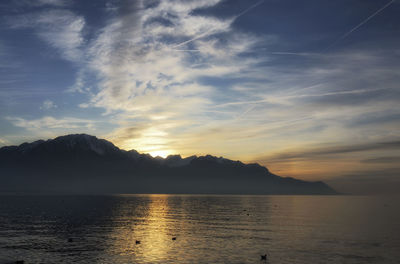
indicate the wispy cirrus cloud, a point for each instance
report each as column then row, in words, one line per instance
column 38, row 3
column 56, row 3
column 51, row 123
column 166, row 62
column 226, row 78
column 48, row 104
column 49, row 127
column 3, row 142
column 321, row 152
column 146, row 71
column 385, row 160
column 60, row 28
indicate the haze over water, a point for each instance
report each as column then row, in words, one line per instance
column 208, row 229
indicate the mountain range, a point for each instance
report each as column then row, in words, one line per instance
column 84, row 164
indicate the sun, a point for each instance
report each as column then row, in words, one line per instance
column 160, row 153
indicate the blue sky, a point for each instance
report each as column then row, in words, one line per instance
column 308, row 88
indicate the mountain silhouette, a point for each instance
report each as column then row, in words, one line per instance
column 82, row 163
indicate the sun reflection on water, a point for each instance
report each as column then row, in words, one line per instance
column 150, row 224
column 154, row 231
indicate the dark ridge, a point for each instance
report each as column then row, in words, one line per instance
column 82, row 163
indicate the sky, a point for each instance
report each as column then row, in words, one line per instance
column 310, row 89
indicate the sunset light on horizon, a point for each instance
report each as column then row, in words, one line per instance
column 310, row 90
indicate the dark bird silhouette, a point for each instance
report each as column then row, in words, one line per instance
column 19, row 262
column 70, row 240
column 174, row 238
column 264, row 257
column 137, row 242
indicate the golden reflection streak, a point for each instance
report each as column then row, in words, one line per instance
column 155, row 240
column 148, row 224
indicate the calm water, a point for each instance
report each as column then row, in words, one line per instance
column 208, row 229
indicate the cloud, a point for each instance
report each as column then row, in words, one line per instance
column 60, row 28
column 144, row 137
column 47, row 104
column 50, row 127
column 38, row 3
column 360, row 24
column 58, row 3
column 164, row 61
column 309, row 103
column 338, row 163
column 51, row 123
column 316, row 153
column 186, row 77
column 3, row 142
column 145, row 72
column 388, row 159
column 388, row 116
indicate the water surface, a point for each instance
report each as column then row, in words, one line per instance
column 208, row 229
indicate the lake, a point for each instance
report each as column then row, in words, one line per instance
column 207, row 228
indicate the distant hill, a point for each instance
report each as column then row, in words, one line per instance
column 85, row 164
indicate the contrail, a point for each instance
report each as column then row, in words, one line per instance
column 193, row 39
column 292, row 53
column 208, row 32
column 187, row 50
column 359, row 25
column 249, row 8
column 245, row 112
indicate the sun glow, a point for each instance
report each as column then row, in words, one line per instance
column 160, row 153
column 153, row 141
